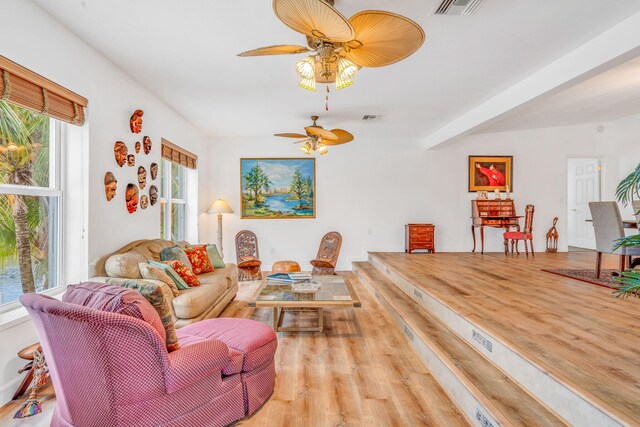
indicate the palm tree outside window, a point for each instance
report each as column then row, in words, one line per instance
column 30, row 200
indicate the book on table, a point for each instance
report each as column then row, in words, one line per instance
column 289, row 277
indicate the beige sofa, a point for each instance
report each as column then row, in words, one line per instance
column 208, row 300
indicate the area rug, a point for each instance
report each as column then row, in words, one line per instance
column 606, row 279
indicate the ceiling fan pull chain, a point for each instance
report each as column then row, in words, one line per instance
column 326, row 104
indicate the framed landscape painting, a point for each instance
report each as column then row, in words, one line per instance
column 278, row 188
column 486, row 173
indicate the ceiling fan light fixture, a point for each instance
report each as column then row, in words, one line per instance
column 308, row 84
column 306, row 68
column 306, row 149
column 346, row 71
column 323, row 150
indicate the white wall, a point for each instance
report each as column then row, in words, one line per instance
column 366, row 190
column 540, row 164
column 374, row 187
column 51, row 50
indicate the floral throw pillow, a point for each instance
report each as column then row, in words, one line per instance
column 183, row 271
column 153, row 293
column 199, row 259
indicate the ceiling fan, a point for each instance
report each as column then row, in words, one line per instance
column 339, row 47
column 317, row 138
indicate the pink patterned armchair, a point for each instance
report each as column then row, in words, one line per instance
column 111, row 369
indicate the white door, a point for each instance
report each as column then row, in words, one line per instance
column 583, row 178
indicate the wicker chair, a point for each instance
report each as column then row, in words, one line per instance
column 526, row 235
column 327, row 257
column 248, row 256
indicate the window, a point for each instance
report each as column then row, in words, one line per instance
column 30, row 203
column 178, row 201
column 172, row 201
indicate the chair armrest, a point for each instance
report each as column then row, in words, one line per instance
column 192, row 363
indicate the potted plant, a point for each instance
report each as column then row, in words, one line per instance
column 627, row 191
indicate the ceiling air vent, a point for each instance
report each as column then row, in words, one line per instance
column 458, row 7
column 371, row 117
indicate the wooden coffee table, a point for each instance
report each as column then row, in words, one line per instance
column 335, row 292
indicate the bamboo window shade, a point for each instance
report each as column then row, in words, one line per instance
column 23, row 87
column 178, row 155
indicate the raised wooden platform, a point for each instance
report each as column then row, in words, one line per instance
column 569, row 344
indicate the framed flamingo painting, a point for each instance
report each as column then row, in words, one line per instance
column 488, row 173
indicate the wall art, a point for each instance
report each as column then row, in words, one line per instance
column 120, row 152
column 153, row 195
column 278, row 188
column 154, row 171
column 488, row 173
column 132, row 197
column 146, row 144
column 142, row 177
column 131, row 160
column 135, row 122
column 110, row 185
column 144, row 202
column 137, row 147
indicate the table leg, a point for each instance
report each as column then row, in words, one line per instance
column 320, row 319
column 275, row 319
column 482, row 239
column 473, row 233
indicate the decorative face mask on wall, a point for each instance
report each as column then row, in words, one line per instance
column 110, row 185
column 144, row 202
column 135, row 122
column 154, row 171
column 142, row 177
column 146, row 144
column 137, row 147
column 153, row 195
column 120, row 152
column 131, row 197
column 131, row 160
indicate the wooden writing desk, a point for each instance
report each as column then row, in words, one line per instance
column 492, row 213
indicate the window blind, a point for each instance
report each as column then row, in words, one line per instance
column 23, row 87
column 178, row 155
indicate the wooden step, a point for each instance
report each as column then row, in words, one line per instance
column 482, row 391
column 572, row 346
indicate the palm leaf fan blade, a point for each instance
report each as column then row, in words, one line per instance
column 382, row 38
column 283, row 49
column 290, row 135
column 343, row 137
column 322, row 133
column 314, row 18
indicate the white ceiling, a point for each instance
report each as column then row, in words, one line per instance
column 185, row 52
column 610, row 95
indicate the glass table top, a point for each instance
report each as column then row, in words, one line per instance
column 333, row 290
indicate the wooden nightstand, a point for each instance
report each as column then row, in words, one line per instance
column 419, row 237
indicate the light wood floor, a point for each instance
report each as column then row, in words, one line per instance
column 576, row 331
column 359, row 371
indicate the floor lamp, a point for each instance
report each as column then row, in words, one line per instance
column 219, row 207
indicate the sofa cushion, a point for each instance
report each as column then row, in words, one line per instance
column 114, row 299
column 158, row 273
column 195, row 301
column 234, row 366
column 153, row 293
column 179, row 281
column 175, row 253
column 184, row 272
column 199, row 259
column 214, row 256
column 124, row 265
column 214, row 277
column 255, row 340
